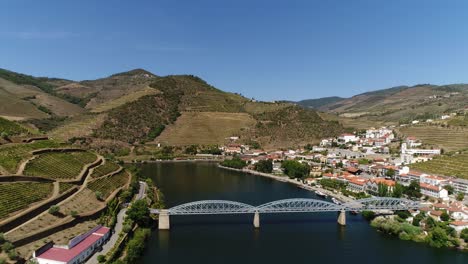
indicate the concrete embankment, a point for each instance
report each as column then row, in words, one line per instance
column 293, row 181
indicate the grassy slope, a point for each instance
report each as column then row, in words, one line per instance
column 319, row 102
column 11, row 128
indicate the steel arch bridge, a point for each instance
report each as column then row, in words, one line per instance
column 297, row 205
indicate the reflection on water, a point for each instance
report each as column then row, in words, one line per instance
column 281, row 238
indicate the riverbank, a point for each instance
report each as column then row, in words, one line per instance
column 286, row 179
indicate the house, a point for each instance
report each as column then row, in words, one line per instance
column 459, row 225
column 433, row 191
column 78, row 250
column 345, row 138
column 458, row 213
column 372, row 186
column 460, row 185
column 357, row 185
column 433, row 180
column 435, row 214
column 354, row 170
column 233, row 149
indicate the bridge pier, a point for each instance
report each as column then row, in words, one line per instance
column 342, row 218
column 163, row 221
column 256, row 221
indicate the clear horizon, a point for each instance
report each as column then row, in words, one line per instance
column 261, row 49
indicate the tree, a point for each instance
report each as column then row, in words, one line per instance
column 403, row 214
column 430, row 222
column 235, row 162
column 460, row 196
column 464, row 234
column 295, row 169
column 413, row 190
column 99, row 195
column 418, row 218
column 398, row 190
column 74, row 213
column 7, row 246
column 2, row 260
column 449, row 189
column 101, row 258
column 368, row 215
column 390, row 173
column 191, row 150
column 382, row 190
column 2, row 238
column 54, row 209
column 438, row 238
column 12, row 255
column 139, row 213
column 264, row 166
column 444, row 217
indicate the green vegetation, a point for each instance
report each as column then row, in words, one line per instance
column 10, row 128
column 235, row 162
column 12, row 155
column 368, row 215
column 295, row 169
column 134, row 121
column 59, row 165
column 136, row 245
column 54, row 209
column 41, row 83
column 64, row 186
column 439, row 234
column 449, row 139
column 104, row 169
column 449, row 165
column 139, row 213
column 17, row 196
column 265, row 166
column 107, row 185
column 464, row 235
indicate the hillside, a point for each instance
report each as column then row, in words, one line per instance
column 138, row 107
column 319, row 102
column 402, row 104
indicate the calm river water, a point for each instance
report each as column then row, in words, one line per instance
column 292, row 238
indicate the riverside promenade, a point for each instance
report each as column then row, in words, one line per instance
column 295, row 182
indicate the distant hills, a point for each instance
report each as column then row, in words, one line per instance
column 396, row 104
column 140, row 107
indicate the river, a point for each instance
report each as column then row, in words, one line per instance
column 282, row 238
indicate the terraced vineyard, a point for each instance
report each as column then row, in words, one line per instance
column 447, row 138
column 109, row 184
column 17, row 196
column 12, row 155
column 455, row 165
column 63, row 187
column 59, row 165
column 104, row 169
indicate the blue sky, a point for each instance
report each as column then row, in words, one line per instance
column 268, row 50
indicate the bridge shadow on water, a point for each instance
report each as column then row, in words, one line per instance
column 265, row 219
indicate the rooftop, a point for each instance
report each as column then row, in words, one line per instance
column 65, row 255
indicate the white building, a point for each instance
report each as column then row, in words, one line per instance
column 433, row 191
column 78, row 250
column 345, row 138
column 460, row 185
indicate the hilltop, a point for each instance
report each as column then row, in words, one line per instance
column 138, row 106
column 400, row 104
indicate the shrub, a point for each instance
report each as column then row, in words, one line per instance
column 368, row 215
column 99, row 195
column 236, row 163
column 464, row 234
column 74, row 213
column 7, row 246
column 54, row 209
column 445, row 217
column 2, row 261
column 101, row 258
column 2, row 238
column 12, row 254
column 403, row 214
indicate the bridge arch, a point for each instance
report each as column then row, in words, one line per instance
column 298, row 205
column 212, row 207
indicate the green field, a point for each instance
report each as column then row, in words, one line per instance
column 454, row 165
column 17, row 196
column 104, row 169
column 59, row 165
column 449, row 139
column 10, row 127
column 109, row 184
column 12, row 155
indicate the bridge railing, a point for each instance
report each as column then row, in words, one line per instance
column 296, row 205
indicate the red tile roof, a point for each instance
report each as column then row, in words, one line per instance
column 65, row 255
column 459, row 223
column 429, row 187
